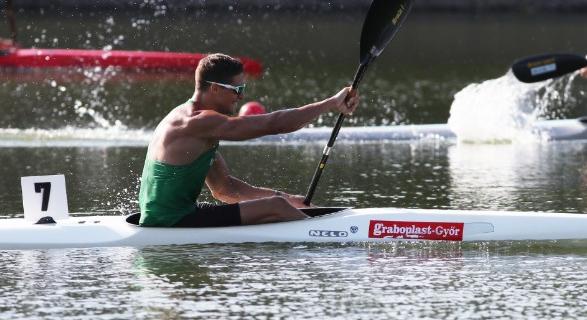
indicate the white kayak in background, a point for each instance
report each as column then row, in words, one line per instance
column 326, row 225
column 572, row 129
column 547, row 130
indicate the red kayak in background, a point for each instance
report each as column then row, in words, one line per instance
column 138, row 60
column 11, row 56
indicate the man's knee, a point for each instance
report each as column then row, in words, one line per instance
column 285, row 210
column 279, row 202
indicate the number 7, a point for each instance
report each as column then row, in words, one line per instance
column 46, row 189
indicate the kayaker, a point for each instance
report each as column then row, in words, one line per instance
column 182, row 154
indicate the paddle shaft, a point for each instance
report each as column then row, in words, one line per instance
column 318, row 173
column 383, row 20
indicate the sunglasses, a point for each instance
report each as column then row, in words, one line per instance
column 237, row 89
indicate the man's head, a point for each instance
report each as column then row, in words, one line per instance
column 219, row 78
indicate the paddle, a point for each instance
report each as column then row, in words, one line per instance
column 547, row 66
column 383, row 21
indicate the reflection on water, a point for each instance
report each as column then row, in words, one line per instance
column 64, row 283
column 497, row 171
column 534, row 177
column 317, row 281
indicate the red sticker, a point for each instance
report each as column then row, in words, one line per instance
column 449, row 231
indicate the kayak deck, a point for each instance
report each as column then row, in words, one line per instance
column 341, row 225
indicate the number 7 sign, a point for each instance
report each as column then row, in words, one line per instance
column 44, row 196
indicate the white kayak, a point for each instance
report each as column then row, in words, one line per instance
column 326, row 225
column 549, row 130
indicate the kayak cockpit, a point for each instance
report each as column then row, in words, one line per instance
column 133, row 218
column 312, row 212
column 321, row 211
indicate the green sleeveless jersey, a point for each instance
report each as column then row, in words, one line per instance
column 169, row 192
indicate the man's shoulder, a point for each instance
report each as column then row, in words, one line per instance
column 206, row 116
column 203, row 121
column 206, row 113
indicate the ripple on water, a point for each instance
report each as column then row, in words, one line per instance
column 406, row 280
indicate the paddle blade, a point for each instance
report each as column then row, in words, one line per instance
column 383, row 21
column 547, row 66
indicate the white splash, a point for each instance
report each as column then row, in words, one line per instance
column 499, row 110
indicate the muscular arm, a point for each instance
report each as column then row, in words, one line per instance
column 229, row 189
column 213, row 125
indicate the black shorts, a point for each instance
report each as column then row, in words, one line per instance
column 211, row 215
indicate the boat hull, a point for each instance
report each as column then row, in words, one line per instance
column 348, row 225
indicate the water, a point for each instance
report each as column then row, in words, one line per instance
column 302, row 282
column 307, row 56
